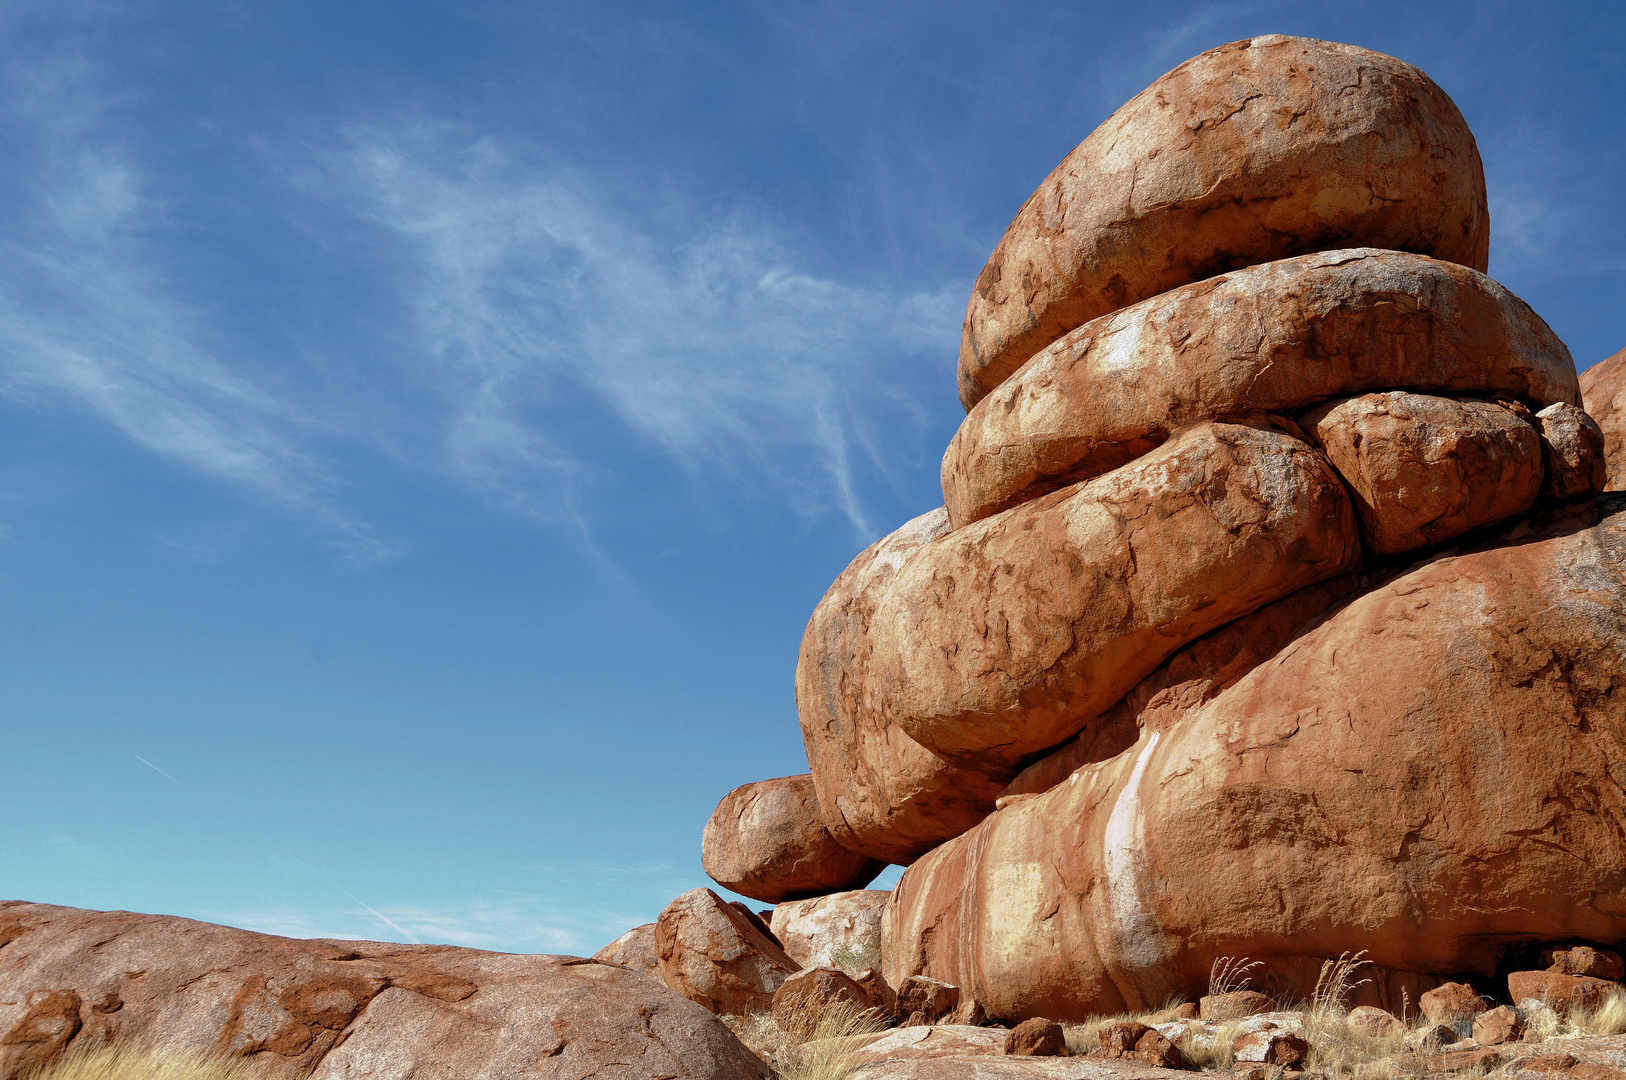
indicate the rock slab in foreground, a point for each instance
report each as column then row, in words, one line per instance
column 1254, row 151
column 1445, row 737
column 339, row 1009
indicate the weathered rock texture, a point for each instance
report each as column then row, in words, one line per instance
column 716, row 957
column 833, row 931
column 1572, row 451
column 338, row 1009
column 1603, row 385
column 1251, row 152
column 635, row 951
column 804, row 1000
column 1277, row 337
column 767, row 841
column 880, row 792
column 1426, row 775
column 1008, row 636
column 1424, row 469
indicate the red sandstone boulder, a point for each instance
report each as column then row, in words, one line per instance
column 805, row 1000
column 1502, row 1024
column 1006, row 637
column 1234, row 1005
column 1585, row 960
column 715, row 957
column 1561, row 993
column 1250, row 152
column 840, row 930
column 1278, row 337
column 337, row 1009
column 1572, row 451
column 1443, row 739
column 1425, row 469
column 767, row 841
column 1451, row 1003
column 635, row 951
column 1374, row 1023
column 931, row 998
column 1037, row 1037
column 880, row 793
column 1603, row 386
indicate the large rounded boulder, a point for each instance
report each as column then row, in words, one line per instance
column 1258, row 150
column 767, row 841
column 1279, row 337
column 1431, row 774
column 1603, row 385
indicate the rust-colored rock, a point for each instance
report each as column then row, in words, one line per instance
column 1250, row 152
column 1280, row 1048
column 1114, row 1038
column 1189, row 678
column 1499, row 1025
column 1279, row 338
column 880, row 793
column 1234, row 1005
column 1444, row 738
column 1603, row 386
column 803, row 1000
column 714, row 956
column 1374, row 1023
column 335, row 1009
column 840, row 930
column 635, row 951
column 1559, row 992
column 932, row 998
column 1585, row 960
column 882, row 997
column 1451, row 1003
column 1036, row 1037
column 767, row 841
column 1572, row 451
column 1004, row 638
column 1424, row 469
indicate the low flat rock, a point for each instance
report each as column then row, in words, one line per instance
column 1279, row 337
column 1257, row 150
column 339, row 1009
column 1018, row 1068
column 635, row 951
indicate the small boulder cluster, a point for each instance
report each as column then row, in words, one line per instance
column 1276, row 606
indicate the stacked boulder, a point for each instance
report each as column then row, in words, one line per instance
column 1273, row 609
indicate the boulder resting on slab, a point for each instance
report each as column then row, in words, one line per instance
column 766, row 840
column 1254, row 151
column 1451, row 735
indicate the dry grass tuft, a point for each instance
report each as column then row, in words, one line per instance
column 113, row 1062
column 1607, row 1019
column 852, row 958
column 1229, row 974
column 841, row 1029
column 1084, row 1037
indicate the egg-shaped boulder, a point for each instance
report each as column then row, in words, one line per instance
column 767, row 841
column 1254, row 151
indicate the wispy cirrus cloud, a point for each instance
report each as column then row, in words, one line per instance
column 538, row 295
column 90, row 317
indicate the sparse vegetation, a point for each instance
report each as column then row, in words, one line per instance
column 842, row 1029
column 1229, row 974
column 853, row 958
column 1084, row 1037
column 113, row 1062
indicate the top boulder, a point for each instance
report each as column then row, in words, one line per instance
column 1251, row 152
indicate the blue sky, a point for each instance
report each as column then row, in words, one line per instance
column 425, row 428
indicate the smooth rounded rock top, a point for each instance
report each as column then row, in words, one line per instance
column 767, row 841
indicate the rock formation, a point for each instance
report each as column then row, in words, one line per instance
column 337, row 1009
column 767, row 841
column 1274, row 609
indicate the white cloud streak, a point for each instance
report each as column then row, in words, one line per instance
column 534, row 293
column 88, row 315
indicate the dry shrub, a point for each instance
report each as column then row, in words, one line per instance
column 103, row 1061
column 842, row 1029
column 1228, row 974
column 1084, row 1037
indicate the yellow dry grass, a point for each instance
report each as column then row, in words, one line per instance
column 114, row 1062
column 841, row 1029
